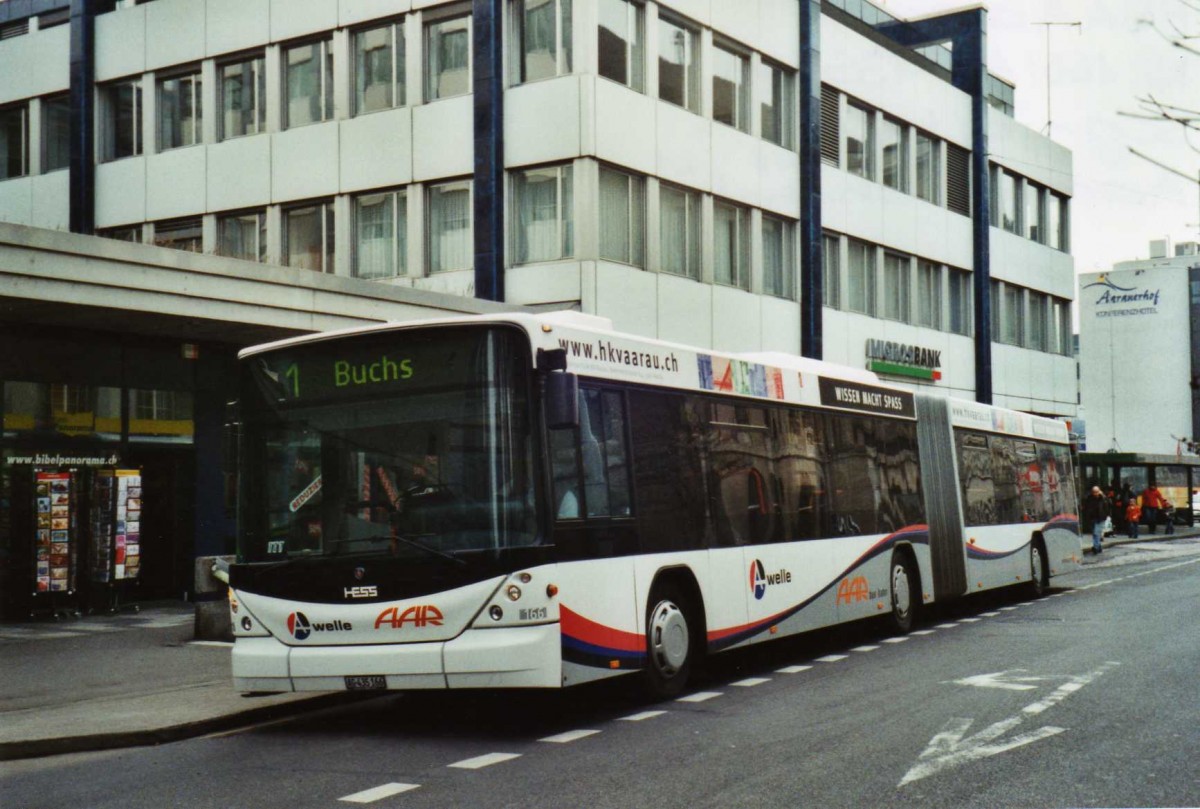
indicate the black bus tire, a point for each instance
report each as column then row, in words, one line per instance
column 905, row 587
column 669, row 640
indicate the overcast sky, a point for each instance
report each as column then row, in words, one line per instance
column 1121, row 201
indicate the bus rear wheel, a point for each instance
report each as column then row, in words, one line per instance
column 905, row 590
column 669, row 646
column 1039, row 578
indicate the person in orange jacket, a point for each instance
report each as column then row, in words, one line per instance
column 1132, row 515
column 1152, row 501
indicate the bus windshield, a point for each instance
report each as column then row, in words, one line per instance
column 409, row 443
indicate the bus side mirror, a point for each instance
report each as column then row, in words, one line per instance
column 561, row 400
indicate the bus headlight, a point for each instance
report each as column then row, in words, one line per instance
column 495, row 612
column 513, row 592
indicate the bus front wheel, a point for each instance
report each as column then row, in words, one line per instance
column 669, row 649
column 905, row 592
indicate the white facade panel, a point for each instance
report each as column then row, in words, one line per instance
column 736, row 315
column 697, row 10
column 121, row 192
column 1026, row 263
column 778, row 27
column 550, row 282
column 351, row 12
column 780, row 325
column 51, row 201
column 623, row 117
column 175, row 32
column 234, row 25
column 779, row 180
column 16, row 201
column 35, row 64
column 738, row 21
column 375, row 150
column 443, row 144
column 175, row 183
column 297, row 18
column 626, row 295
column 239, row 173
column 542, row 122
column 1027, row 153
column 683, row 147
column 300, row 162
column 685, row 310
column 734, row 164
column 121, row 43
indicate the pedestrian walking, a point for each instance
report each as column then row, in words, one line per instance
column 1169, row 516
column 1152, row 501
column 1133, row 515
column 1095, row 512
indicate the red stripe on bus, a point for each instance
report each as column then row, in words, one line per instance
column 590, row 632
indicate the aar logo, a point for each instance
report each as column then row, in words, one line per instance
column 419, row 616
column 760, row 579
column 298, row 626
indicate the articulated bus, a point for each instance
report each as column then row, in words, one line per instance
column 539, row 501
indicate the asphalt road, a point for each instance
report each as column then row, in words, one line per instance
column 1087, row 697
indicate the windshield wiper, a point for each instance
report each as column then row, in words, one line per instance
column 408, row 539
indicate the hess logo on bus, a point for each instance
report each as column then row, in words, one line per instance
column 760, row 579
column 417, row 616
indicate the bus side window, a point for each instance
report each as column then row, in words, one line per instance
column 591, row 465
column 564, row 465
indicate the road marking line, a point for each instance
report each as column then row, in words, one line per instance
column 700, row 696
column 569, row 736
column 1007, row 609
column 969, row 620
column 946, row 626
column 479, row 762
column 923, row 632
column 900, row 639
column 864, row 649
column 378, row 793
column 638, row 717
column 831, row 658
column 210, row 643
column 750, row 682
column 988, row 614
column 792, row 669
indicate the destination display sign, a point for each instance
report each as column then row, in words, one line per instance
column 866, row 398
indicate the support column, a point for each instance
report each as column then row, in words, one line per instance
column 487, row 196
column 811, row 284
column 82, row 194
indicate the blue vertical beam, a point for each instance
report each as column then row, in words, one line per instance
column 811, row 277
column 967, row 30
column 487, row 68
column 82, row 188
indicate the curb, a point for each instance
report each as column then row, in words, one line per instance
column 40, row 748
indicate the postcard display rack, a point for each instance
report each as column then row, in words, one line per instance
column 116, row 515
column 56, row 540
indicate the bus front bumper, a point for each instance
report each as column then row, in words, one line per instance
column 509, row 657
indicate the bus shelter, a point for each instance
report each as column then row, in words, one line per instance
column 1176, row 476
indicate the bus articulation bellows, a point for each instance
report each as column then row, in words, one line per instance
column 538, row 501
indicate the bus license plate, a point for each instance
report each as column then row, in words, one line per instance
column 366, row 682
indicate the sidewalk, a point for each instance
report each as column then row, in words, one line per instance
column 1181, row 532
column 103, row 682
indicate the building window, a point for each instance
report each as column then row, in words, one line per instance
column 678, row 65
column 14, row 141
column 121, row 106
column 929, row 294
column 1061, row 323
column 893, row 138
column 1056, row 221
column 1007, row 200
column 779, row 257
column 450, row 239
column 679, row 231
column 1034, row 197
column 381, row 235
column 622, row 217
column 308, row 236
column 731, row 88
column 731, row 245
column 860, row 278
column 997, row 304
column 543, row 214
column 542, row 34
column 929, row 168
column 448, row 58
column 830, row 271
column 129, row 233
column 179, row 111
column 56, row 133
column 622, row 49
column 243, row 235
column 1039, row 311
column 858, row 127
column 379, row 82
column 896, row 289
column 308, row 83
column 960, row 301
column 180, row 234
column 777, row 87
column 243, row 90
column 1014, row 315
